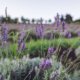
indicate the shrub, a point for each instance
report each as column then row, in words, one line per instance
column 26, row 72
column 18, row 69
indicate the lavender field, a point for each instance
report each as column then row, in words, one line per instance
column 40, row 51
column 39, row 40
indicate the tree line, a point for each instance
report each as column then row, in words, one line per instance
column 67, row 18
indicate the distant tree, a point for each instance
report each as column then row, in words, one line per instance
column 68, row 18
column 62, row 18
column 33, row 20
column 6, row 19
column 15, row 20
column 2, row 19
column 49, row 20
column 23, row 20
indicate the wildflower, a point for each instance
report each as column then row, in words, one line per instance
column 4, row 32
column 45, row 64
column 39, row 31
column 51, row 50
column 21, row 43
column 23, row 46
column 22, row 35
column 69, row 35
column 63, row 25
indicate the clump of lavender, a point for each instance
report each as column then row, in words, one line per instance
column 22, row 46
column 45, row 64
column 68, row 34
column 4, row 32
column 21, row 43
column 39, row 31
column 51, row 50
column 63, row 25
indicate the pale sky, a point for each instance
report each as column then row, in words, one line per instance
column 40, row 8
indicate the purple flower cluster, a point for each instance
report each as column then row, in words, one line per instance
column 4, row 30
column 51, row 50
column 39, row 31
column 21, row 43
column 69, row 35
column 45, row 64
column 63, row 25
column 23, row 46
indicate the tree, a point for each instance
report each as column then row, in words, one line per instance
column 62, row 18
column 49, row 20
column 15, row 20
column 68, row 18
column 23, row 20
column 33, row 21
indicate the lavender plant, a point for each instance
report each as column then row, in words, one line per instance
column 4, row 33
column 39, row 31
column 21, row 43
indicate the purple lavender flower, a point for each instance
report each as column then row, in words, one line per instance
column 22, row 35
column 23, row 46
column 63, row 25
column 4, row 32
column 69, row 35
column 45, row 64
column 39, row 31
column 21, row 43
column 51, row 50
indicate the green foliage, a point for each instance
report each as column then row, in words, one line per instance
column 38, row 48
column 17, row 69
column 8, row 19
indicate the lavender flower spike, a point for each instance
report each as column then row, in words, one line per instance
column 51, row 50
column 4, row 32
column 45, row 64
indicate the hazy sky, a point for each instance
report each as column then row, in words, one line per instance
column 40, row 8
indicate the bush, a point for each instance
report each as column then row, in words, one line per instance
column 27, row 72
column 18, row 69
column 40, row 47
